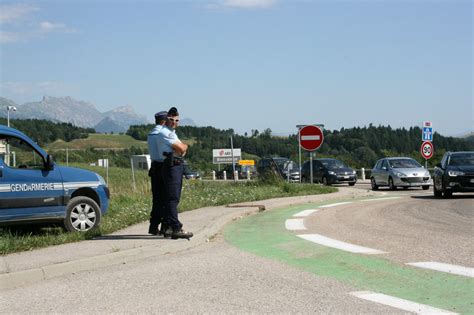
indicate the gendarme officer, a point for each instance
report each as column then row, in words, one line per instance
column 155, row 173
column 174, row 150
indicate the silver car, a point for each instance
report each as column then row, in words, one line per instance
column 399, row 172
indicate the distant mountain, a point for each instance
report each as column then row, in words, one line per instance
column 187, row 122
column 4, row 102
column 79, row 113
column 108, row 125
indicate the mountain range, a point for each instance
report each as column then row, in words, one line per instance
column 78, row 113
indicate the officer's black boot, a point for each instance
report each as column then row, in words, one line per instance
column 181, row 234
column 166, row 231
column 153, row 229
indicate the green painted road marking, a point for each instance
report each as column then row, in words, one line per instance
column 264, row 234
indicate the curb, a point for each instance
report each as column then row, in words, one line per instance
column 30, row 276
column 25, row 277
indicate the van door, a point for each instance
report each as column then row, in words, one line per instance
column 27, row 189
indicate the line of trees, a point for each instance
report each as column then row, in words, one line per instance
column 358, row 147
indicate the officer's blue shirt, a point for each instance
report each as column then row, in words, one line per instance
column 153, row 144
column 166, row 138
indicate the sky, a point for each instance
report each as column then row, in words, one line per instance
column 249, row 64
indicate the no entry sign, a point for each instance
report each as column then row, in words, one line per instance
column 427, row 150
column 311, row 137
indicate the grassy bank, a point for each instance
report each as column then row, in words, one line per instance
column 130, row 205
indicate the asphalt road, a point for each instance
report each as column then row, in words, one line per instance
column 416, row 227
column 212, row 278
column 217, row 277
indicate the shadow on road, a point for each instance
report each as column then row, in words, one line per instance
column 131, row 237
column 453, row 197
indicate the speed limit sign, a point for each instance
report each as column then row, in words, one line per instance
column 427, row 150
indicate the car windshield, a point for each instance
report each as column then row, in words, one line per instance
column 333, row 164
column 404, row 163
column 462, row 159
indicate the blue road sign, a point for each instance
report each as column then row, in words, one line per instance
column 427, row 134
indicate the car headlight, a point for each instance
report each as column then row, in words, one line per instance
column 427, row 174
column 331, row 173
column 101, row 180
column 353, row 172
column 455, row 173
column 399, row 174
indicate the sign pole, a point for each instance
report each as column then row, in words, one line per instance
column 311, row 167
column 299, row 152
column 233, row 162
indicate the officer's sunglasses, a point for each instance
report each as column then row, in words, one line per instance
column 173, row 119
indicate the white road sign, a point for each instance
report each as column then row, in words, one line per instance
column 224, row 156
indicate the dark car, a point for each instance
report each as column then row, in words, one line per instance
column 279, row 166
column 240, row 169
column 328, row 172
column 455, row 173
column 189, row 173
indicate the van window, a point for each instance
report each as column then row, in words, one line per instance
column 19, row 154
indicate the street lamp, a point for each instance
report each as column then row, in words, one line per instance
column 9, row 108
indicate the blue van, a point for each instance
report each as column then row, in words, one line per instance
column 35, row 189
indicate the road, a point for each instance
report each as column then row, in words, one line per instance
column 256, row 265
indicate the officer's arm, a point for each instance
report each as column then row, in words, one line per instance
column 180, row 147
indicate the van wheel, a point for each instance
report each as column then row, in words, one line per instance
column 82, row 214
column 325, row 181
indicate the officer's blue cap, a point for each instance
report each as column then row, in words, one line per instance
column 161, row 115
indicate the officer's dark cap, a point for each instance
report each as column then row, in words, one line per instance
column 161, row 115
column 173, row 112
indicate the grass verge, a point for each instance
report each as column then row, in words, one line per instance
column 130, row 205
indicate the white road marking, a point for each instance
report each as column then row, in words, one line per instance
column 399, row 303
column 454, row 269
column 295, row 224
column 305, row 213
column 383, row 198
column 329, row 242
column 336, row 204
column 310, row 137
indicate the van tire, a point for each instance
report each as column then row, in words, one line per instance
column 82, row 214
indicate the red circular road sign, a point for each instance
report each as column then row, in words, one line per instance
column 311, row 137
column 427, row 150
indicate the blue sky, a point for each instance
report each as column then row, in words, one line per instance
column 248, row 64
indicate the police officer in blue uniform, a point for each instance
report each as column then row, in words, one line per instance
column 157, row 186
column 174, row 150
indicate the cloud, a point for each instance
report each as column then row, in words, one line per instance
column 11, row 13
column 48, row 27
column 17, row 26
column 245, row 4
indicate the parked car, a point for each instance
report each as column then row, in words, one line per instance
column 33, row 188
column 189, row 173
column 328, row 172
column 399, row 172
column 241, row 171
column 455, row 173
column 279, row 166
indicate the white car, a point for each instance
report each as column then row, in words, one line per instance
column 399, row 172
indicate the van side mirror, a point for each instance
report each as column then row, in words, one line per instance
column 49, row 164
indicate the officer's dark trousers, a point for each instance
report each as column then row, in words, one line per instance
column 158, row 190
column 173, row 181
